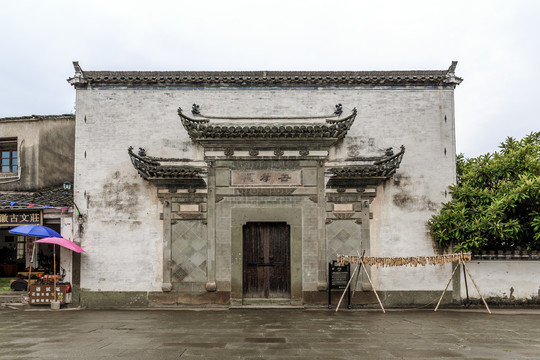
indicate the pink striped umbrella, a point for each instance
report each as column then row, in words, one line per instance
column 68, row 244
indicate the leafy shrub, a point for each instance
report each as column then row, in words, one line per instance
column 496, row 201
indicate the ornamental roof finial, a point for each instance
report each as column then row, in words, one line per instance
column 451, row 78
column 78, row 78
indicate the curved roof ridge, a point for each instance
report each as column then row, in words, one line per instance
column 266, row 78
column 38, row 117
column 261, row 73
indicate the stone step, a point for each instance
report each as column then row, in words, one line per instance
column 271, row 303
column 264, row 307
column 12, row 297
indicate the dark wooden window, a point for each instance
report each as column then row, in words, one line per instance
column 8, row 155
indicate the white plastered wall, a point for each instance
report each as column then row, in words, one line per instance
column 505, row 280
column 122, row 229
column 66, row 259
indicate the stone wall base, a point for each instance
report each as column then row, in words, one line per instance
column 391, row 299
column 157, row 299
column 113, row 299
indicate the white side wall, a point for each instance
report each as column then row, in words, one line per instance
column 503, row 279
column 66, row 256
column 122, row 230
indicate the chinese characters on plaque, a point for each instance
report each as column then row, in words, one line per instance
column 20, row 218
column 44, row 294
column 266, row 178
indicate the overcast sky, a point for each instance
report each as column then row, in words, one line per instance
column 496, row 44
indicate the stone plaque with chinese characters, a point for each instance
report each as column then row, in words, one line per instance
column 20, row 218
column 266, row 178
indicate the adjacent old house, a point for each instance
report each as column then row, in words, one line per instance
column 238, row 188
column 37, row 158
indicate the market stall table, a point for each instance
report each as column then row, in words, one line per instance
column 43, row 294
column 37, row 274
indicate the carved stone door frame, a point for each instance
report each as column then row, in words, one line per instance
column 241, row 216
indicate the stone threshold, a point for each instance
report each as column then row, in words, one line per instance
column 264, row 303
column 263, row 307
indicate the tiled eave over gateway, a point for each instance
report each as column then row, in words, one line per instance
column 370, row 172
column 312, row 131
column 431, row 78
column 166, row 171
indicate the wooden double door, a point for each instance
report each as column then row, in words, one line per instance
column 266, row 260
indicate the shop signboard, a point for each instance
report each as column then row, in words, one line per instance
column 16, row 218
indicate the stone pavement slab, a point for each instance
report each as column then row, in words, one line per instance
column 269, row 334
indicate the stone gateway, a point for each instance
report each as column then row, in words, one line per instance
column 238, row 188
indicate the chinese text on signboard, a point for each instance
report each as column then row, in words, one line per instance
column 266, row 178
column 20, row 218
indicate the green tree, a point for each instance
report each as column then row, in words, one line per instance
column 496, row 201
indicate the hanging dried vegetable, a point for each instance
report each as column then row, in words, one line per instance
column 403, row 261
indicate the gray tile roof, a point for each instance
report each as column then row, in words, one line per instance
column 265, row 78
column 38, row 117
column 357, row 175
column 151, row 167
column 52, row 197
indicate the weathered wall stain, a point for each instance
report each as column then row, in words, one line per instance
column 363, row 146
column 135, row 225
column 358, row 146
column 405, row 200
column 353, row 150
column 402, row 200
column 119, row 194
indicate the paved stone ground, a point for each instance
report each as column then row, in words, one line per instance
column 269, row 334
